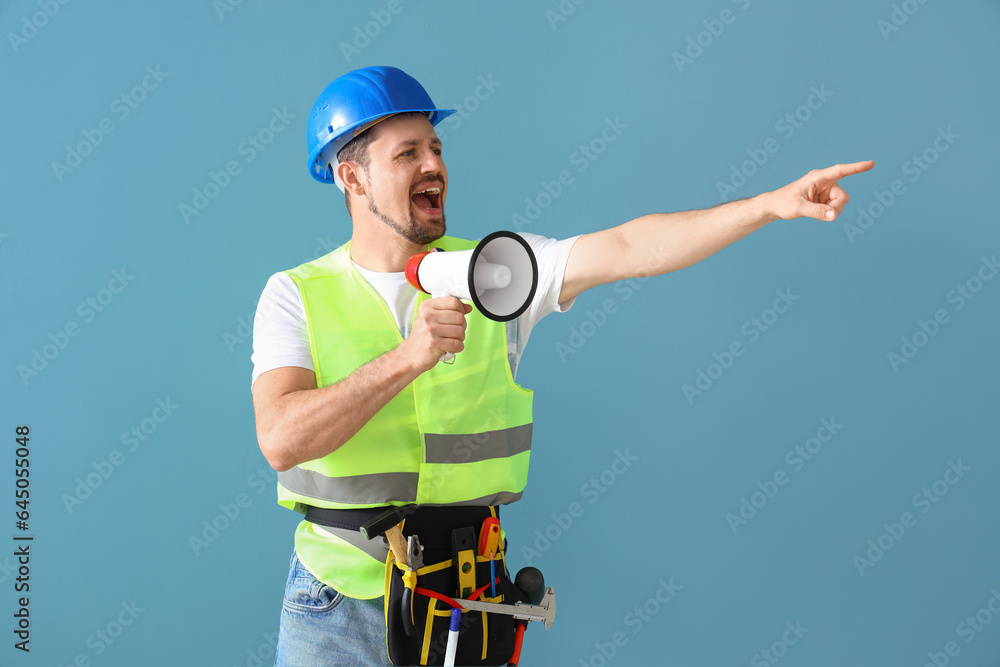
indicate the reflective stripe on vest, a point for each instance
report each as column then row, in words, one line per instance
column 442, row 448
column 458, row 434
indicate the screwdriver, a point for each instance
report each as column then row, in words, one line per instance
column 489, row 540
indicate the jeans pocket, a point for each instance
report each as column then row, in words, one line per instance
column 307, row 595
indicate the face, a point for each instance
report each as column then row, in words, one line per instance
column 406, row 180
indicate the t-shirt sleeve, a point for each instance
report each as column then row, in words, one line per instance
column 551, row 256
column 280, row 332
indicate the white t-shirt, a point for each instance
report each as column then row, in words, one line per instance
column 281, row 335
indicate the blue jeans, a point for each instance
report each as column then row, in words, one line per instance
column 321, row 627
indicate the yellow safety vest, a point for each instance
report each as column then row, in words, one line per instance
column 460, row 434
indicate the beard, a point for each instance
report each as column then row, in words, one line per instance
column 410, row 229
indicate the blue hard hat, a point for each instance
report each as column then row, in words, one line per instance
column 352, row 101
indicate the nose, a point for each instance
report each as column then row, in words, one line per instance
column 432, row 162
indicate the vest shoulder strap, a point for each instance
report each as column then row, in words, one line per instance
column 338, row 261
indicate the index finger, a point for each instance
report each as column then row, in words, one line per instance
column 446, row 303
column 839, row 171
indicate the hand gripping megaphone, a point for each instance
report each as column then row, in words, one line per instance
column 499, row 276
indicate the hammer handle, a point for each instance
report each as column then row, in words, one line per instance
column 398, row 545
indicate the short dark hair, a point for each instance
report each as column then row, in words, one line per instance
column 356, row 151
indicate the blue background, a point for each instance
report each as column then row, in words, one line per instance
column 179, row 330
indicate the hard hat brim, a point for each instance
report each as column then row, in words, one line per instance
column 340, row 138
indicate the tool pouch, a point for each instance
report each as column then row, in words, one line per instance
column 484, row 638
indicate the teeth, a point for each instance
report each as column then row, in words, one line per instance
column 430, row 191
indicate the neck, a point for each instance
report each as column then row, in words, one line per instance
column 377, row 247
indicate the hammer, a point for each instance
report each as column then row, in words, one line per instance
column 387, row 523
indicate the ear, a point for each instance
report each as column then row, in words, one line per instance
column 350, row 176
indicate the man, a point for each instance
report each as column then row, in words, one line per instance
column 348, row 390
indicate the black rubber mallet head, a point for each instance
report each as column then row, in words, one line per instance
column 387, row 523
column 529, row 580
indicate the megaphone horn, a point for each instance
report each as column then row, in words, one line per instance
column 499, row 275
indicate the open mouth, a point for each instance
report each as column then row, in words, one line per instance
column 428, row 200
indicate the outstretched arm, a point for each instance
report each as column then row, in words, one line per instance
column 662, row 242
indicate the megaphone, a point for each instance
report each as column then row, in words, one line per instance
column 499, row 276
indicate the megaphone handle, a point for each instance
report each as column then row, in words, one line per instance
column 447, row 357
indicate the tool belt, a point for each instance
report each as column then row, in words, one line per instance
column 419, row 635
column 346, row 519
